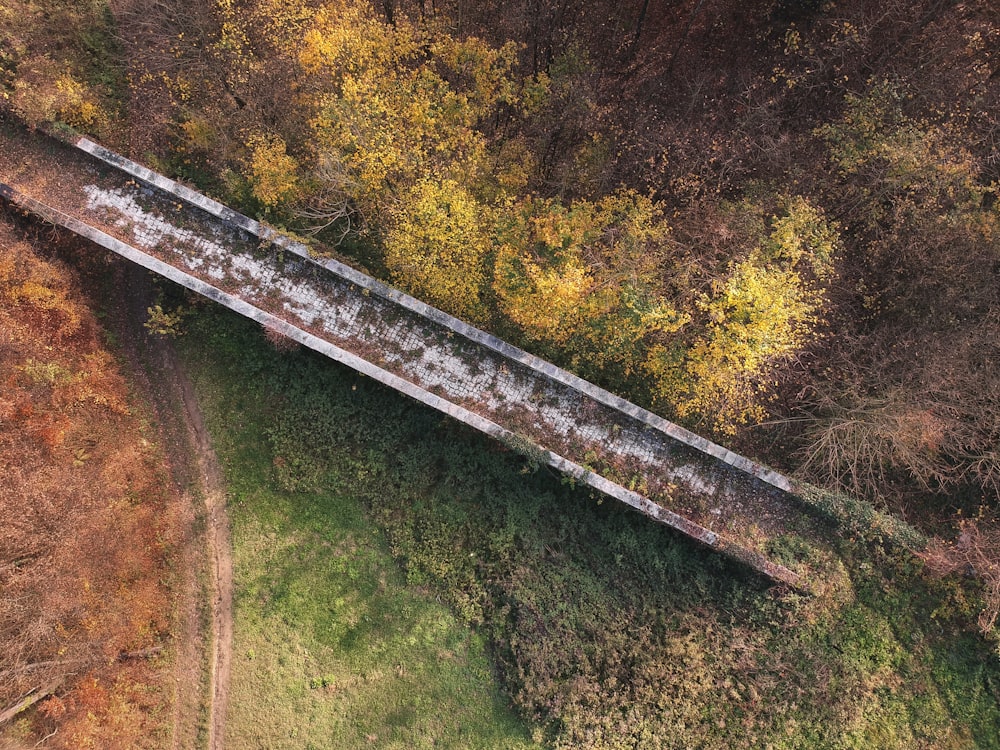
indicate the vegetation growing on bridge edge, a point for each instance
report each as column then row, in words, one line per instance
column 607, row 631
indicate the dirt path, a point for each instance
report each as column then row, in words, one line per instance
column 203, row 659
column 220, row 556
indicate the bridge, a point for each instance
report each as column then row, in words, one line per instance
column 721, row 499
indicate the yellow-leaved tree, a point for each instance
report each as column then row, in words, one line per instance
column 581, row 281
column 540, row 277
column 273, row 174
column 761, row 314
column 259, row 41
column 394, row 105
column 436, row 246
column 397, row 152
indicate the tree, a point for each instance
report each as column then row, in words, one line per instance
column 436, row 246
column 89, row 523
column 582, row 280
column 909, row 399
column 393, row 106
column 271, row 171
column 48, row 52
column 764, row 312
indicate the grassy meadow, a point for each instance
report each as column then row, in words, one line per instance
column 332, row 647
column 397, row 575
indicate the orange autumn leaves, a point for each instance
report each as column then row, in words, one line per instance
column 88, row 521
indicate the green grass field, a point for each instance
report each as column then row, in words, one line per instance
column 395, row 572
column 332, row 647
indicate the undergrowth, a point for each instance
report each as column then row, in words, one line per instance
column 607, row 631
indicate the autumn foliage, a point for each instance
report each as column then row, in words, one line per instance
column 385, row 129
column 50, row 52
column 738, row 214
column 88, row 525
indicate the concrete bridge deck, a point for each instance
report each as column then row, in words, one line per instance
column 671, row 475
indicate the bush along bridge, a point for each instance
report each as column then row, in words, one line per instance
column 721, row 499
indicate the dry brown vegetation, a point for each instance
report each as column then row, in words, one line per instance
column 975, row 552
column 89, row 525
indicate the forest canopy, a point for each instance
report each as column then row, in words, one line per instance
column 772, row 221
column 428, row 151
